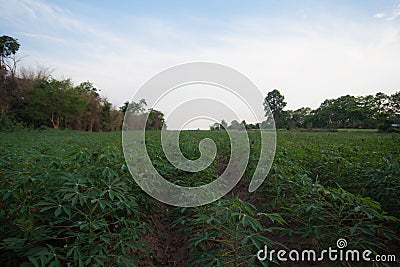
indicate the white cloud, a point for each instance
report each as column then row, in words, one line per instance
column 395, row 14
column 42, row 36
column 380, row 15
column 390, row 15
column 312, row 68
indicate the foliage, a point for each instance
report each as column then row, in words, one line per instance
column 377, row 111
column 134, row 107
column 83, row 209
column 59, row 104
column 274, row 102
column 327, row 214
column 69, row 193
column 355, row 112
column 155, row 120
column 56, row 101
column 8, row 47
column 7, row 125
column 228, row 233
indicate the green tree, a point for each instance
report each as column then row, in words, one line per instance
column 223, row 125
column 105, row 117
column 55, row 101
column 116, row 119
column 343, row 112
column 395, row 107
column 215, row 126
column 134, row 107
column 235, row 125
column 300, row 115
column 90, row 119
column 8, row 48
column 8, row 82
column 354, row 112
column 244, row 124
column 155, row 120
column 276, row 103
column 284, row 120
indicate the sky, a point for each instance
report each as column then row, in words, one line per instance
column 307, row 49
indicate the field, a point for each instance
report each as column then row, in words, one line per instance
column 67, row 197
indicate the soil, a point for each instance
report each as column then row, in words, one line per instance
column 167, row 246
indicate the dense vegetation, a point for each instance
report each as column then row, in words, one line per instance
column 371, row 111
column 31, row 98
column 67, row 198
column 378, row 111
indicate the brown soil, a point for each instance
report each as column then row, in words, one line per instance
column 166, row 246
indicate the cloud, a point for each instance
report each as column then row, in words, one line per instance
column 395, row 14
column 307, row 61
column 42, row 36
column 311, row 68
column 22, row 11
column 380, row 15
column 391, row 15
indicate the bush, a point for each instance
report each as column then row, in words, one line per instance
column 6, row 124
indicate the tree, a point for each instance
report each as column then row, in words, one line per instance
column 388, row 111
column 116, row 119
column 300, row 115
column 55, row 101
column 223, row 125
column 252, row 126
column 275, row 102
column 8, row 83
column 31, row 97
column 215, row 126
column 244, row 124
column 155, row 120
column 395, row 107
column 8, row 48
column 235, row 125
column 353, row 112
column 134, row 107
column 90, row 119
column 105, row 115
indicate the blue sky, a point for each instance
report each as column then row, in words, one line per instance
column 309, row 50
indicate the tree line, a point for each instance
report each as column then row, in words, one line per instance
column 33, row 99
column 379, row 111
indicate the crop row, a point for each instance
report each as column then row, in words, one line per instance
column 68, row 198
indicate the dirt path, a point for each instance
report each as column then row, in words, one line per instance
column 168, row 245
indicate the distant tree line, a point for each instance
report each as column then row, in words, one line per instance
column 139, row 118
column 378, row 111
column 33, row 99
column 234, row 125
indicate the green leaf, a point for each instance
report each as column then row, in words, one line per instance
column 57, row 212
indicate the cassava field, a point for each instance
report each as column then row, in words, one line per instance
column 68, row 199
